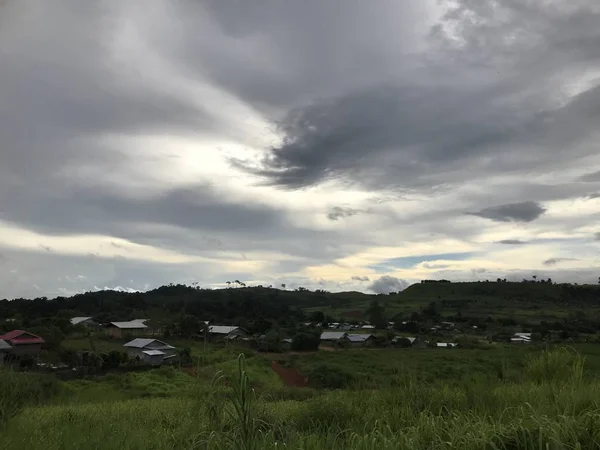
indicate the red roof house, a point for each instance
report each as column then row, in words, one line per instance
column 19, row 337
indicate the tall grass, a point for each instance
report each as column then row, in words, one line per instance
column 552, row 407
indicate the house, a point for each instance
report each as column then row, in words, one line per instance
column 360, row 340
column 368, row 327
column 23, row 343
column 446, row 344
column 151, row 351
column 526, row 337
column 333, row 337
column 286, row 344
column 5, row 348
column 84, row 321
column 121, row 329
column 225, row 333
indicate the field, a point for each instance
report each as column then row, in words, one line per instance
column 496, row 398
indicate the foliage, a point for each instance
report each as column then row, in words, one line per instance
column 306, row 341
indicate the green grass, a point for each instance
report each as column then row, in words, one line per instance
column 440, row 399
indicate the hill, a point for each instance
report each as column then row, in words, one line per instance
column 528, row 301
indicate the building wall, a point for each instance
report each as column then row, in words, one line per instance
column 153, row 360
column 26, row 349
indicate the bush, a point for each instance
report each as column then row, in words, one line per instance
column 306, row 341
column 330, row 377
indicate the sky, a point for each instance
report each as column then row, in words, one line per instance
column 330, row 145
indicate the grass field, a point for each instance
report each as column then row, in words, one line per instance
column 499, row 398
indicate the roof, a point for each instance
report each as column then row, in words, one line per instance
column 143, row 342
column 132, row 324
column 287, row 340
column 446, row 344
column 332, row 335
column 221, row 329
column 368, row 327
column 16, row 337
column 76, row 320
column 359, row 337
column 153, row 352
column 523, row 335
column 4, row 345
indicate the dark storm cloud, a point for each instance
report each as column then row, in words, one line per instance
column 512, row 212
column 555, row 261
column 483, row 116
column 387, row 284
column 512, row 242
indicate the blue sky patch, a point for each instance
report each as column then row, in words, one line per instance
column 406, row 262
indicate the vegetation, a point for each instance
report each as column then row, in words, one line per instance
column 551, row 402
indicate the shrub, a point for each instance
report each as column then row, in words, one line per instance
column 330, row 377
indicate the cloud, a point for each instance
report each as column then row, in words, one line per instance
column 512, row 212
column 200, row 141
column 359, row 278
column 387, row 284
column 555, row 261
column 597, row 236
column 338, row 212
column 592, row 177
column 512, row 242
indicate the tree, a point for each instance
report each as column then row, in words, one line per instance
column 317, row 316
column 375, row 312
column 188, row 326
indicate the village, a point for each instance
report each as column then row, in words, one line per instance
column 145, row 345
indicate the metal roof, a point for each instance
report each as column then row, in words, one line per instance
column 76, row 320
column 359, row 337
column 220, row 329
column 144, row 342
column 153, row 352
column 133, row 324
column 332, row 335
column 4, row 345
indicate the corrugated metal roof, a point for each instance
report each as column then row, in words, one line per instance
column 153, row 352
column 4, row 345
column 144, row 342
column 132, row 324
column 332, row 335
column 221, row 329
column 359, row 337
column 76, row 320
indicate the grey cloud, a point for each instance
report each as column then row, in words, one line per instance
column 597, row 236
column 512, row 212
column 594, row 195
column 338, row 212
column 425, row 132
column 512, row 242
column 592, row 177
column 555, row 261
column 387, row 284
column 360, row 278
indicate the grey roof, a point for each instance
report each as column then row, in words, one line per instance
column 144, row 342
column 153, row 352
column 4, row 345
column 332, row 335
column 132, row 324
column 76, row 320
column 359, row 337
column 287, row 340
column 220, row 329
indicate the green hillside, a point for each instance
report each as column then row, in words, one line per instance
column 524, row 301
